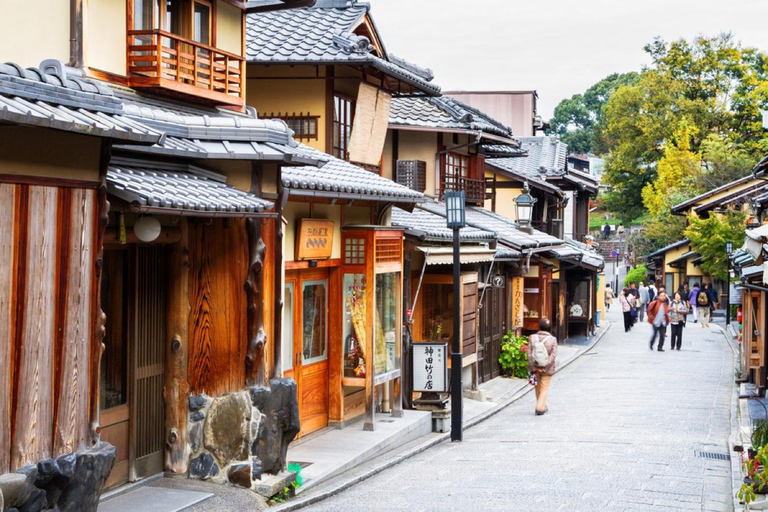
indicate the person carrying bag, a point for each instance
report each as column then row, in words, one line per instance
column 542, row 351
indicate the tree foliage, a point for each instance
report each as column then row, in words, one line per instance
column 636, row 275
column 578, row 120
column 711, row 86
column 708, row 237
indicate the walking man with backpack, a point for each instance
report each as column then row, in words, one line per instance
column 658, row 317
column 541, row 362
column 703, row 304
column 692, row 300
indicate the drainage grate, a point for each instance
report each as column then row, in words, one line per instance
column 712, row 455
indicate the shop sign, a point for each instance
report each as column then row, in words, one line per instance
column 531, row 290
column 314, row 240
column 430, row 367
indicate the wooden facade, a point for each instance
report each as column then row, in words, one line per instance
column 48, row 240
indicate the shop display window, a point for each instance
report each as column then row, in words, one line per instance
column 387, row 321
column 288, row 328
column 532, row 298
column 578, row 299
column 315, row 335
column 437, row 312
column 354, row 325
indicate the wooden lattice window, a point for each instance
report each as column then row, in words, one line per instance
column 343, row 113
column 388, row 250
column 354, row 251
column 412, row 174
column 304, row 126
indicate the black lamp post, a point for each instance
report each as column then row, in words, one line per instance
column 728, row 252
column 455, row 210
column 524, row 204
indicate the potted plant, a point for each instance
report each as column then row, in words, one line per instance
column 514, row 355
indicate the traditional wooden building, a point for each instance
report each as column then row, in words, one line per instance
column 326, row 72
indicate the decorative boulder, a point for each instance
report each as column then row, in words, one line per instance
column 240, row 474
column 280, row 424
column 90, row 474
column 15, row 488
column 227, row 427
column 203, row 467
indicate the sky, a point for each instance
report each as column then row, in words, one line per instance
column 557, row 47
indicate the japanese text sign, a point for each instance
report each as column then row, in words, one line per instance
column 430, row 367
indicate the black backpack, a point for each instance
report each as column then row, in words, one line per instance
column 651, row 294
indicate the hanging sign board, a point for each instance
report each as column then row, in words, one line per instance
column 314, row 239
column 430, row 367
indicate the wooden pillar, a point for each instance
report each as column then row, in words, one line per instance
column 277, row 251
column 370, row 346
column 562, row 310
column 254, row 286
column 176, row 389
column 100, row 318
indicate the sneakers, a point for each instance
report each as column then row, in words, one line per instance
column 661, row 349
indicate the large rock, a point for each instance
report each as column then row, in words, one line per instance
column 36, row 501
column 240, row 474
column 227, row 427
column 203, row 467
column 197, row 402
column 280, row 406
column 90, row 474
column 196, row 436
column 15, row 488
column 54, row 475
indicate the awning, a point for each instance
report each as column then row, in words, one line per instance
column 444, row 255
column 180, row 189
column 682, row 258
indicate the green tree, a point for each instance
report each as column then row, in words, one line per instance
column 657, row 233
column 708, row 237
column 636, row 275
column 714, row 86
column 578, row 120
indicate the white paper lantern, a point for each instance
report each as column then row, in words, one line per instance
column 147, row 229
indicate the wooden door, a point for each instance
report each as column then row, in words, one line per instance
column 492, row 329
column 306, row 296
column 148, row 359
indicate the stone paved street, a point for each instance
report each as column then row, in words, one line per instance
column 622, row 432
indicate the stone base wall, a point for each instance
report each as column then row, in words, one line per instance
column 70, row 483
column 237, row 437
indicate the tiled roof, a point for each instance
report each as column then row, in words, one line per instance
column 323, row 35
column 55, row 97
column 430, row 227
column 341, row 179
column 443, row 112
column 546, row 158
column 533, row 180
column 506, row 230
column 578, row 253
column 218, row 136
column 493, row 151
column 667, row 248
column 179, row 189
column 682, row 207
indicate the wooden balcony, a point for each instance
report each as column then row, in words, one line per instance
column 159, row 59
column 474, row 190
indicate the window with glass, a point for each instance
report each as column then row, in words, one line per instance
column 577, row 296
column 531, row 298
column 314, row 321
column 437, row 312
column 287, row 350
column 343, row 113
column 455, row 169
column 354, row 325
column 115, row 299
column 304, row 127
column 386, row 332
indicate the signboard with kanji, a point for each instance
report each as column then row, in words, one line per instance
column 430, row 367
column 314, row 239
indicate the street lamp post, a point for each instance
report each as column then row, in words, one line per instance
column 455, row 210
column 728, row 252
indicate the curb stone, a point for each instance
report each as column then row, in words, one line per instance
column 736, row 476
column 300, row 503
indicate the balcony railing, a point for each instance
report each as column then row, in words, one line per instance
column 157, row 58
column 474, row 190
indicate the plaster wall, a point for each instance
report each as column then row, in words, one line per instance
column 413, row 145
column 65, row 156
column 31, row 32
column 106, row 36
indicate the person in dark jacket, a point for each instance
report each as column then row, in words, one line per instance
column 692, row 300
column 704, row 305
column 713, row 298
column 658, row 317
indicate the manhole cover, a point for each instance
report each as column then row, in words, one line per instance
column 713, row 455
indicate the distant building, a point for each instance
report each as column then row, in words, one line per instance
column 516, row 109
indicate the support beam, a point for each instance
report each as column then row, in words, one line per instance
column 176, row 391
column 254, row 289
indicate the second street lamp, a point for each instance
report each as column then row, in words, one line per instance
column 524, row 205
column 455, row 214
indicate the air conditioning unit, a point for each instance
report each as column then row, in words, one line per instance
column 412, row 174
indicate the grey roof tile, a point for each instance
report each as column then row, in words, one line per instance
column 324, row 34
column 546, row 158
column 341, row 179
column 443, row 112
column 431, row 227
column 32, row 97
column 179, row 189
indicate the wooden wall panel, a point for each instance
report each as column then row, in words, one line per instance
column 268, row 294
column 33, row 429
column 7, row 193
column 72, row 421
column 217, row 322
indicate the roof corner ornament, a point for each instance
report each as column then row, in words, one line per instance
column 351, row 43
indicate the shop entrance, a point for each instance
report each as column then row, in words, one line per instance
column 492, row 329
column 305, row 337
column 131, row 401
